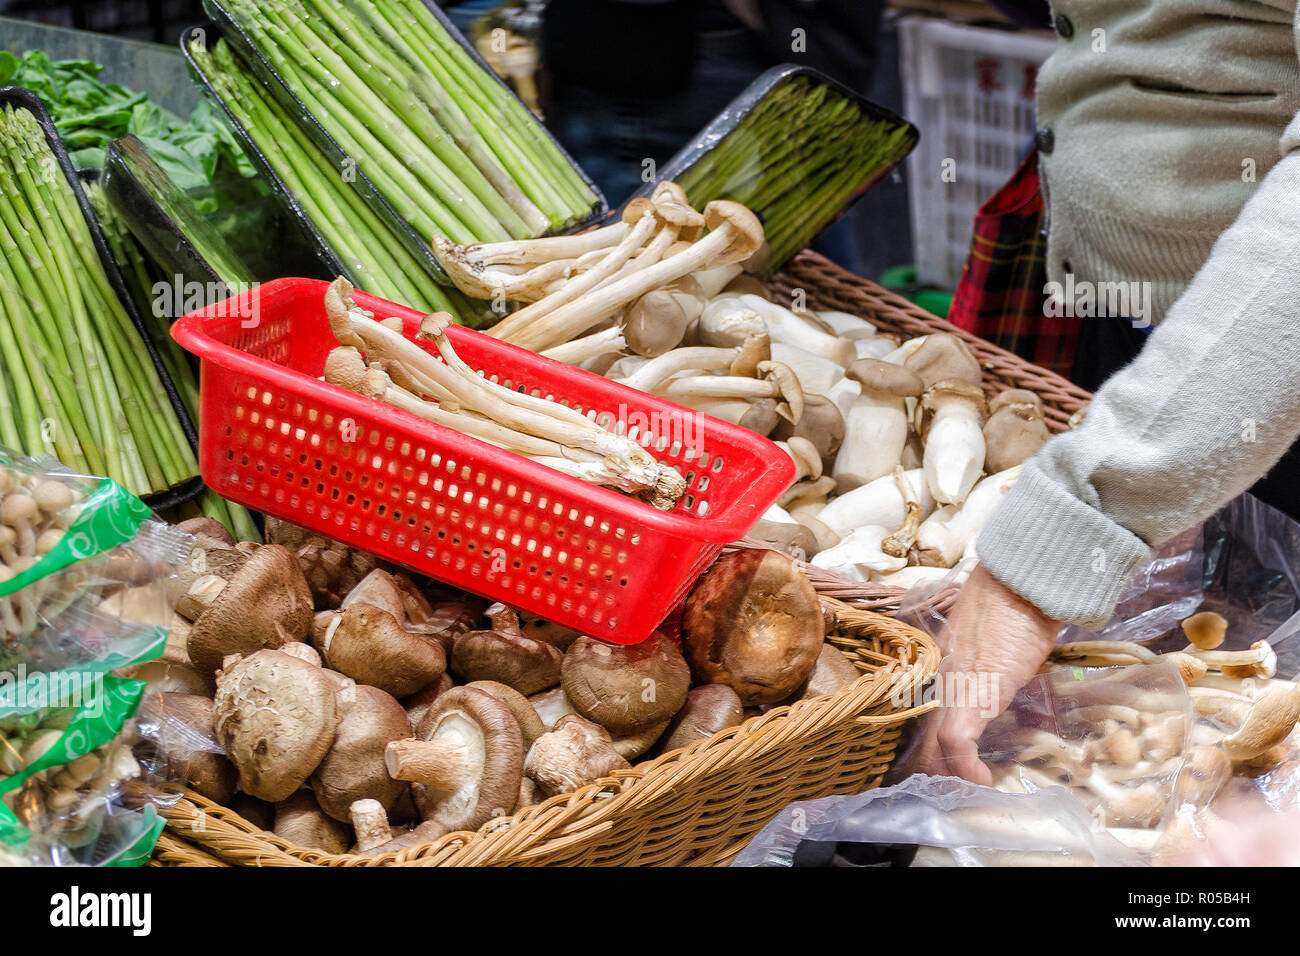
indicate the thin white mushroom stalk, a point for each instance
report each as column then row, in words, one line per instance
column 734, row 232
column 589, row 346
column 480, row 256
column 624, row 462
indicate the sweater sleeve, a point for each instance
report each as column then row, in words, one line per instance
column 1205, row 410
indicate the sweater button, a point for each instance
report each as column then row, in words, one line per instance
column 1064, row 28
column 1045, row 141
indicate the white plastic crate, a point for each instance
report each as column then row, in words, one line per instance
column 970, row 91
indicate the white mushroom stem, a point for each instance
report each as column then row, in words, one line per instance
column 1260, row 660
column 561, row 324
column 653, row 374
column 917, row 575
column 712, row 281
column 905, row 351
column 875, row 431
column 943, row 538
column 899, row 544
column 786, row 327
column 588, row 347
column 532, row 251
column 847, row 326
column 858, row 555
column 808, row 463
column 777, row 382
column 444, row 764
column 954, row 444
column 879, row 502
column 518, row 411
column 817, row 375
column 575, row 288
column 370, row 823
column 726, row 321
column 1103, row 653
column 877, row 347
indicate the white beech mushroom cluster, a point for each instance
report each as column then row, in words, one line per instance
column 65, row 802
column 376, row 360
column 388, row 714
column 1153, row 775
column 34, row 514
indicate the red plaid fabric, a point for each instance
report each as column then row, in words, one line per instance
column 1000, row 294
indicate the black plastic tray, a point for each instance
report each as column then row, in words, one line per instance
column 19, row 97
column 266, row 73
column 715, row 134
column 326, row 264
column 133, row 183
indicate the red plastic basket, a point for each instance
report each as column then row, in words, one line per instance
column 275, row 438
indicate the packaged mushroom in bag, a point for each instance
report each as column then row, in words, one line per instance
column 83, row 572
column 1117, row 738
column 65, row 760
column 936, row 821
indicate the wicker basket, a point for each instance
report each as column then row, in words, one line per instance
column 699, row 806
column 696, row 806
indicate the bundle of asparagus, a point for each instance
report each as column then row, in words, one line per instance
column 444, row 143
column 78, row 379
column 372, row 255
column 796, row 159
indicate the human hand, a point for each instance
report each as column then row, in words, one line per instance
column 997, row 642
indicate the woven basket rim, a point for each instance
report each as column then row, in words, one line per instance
column 194, row 819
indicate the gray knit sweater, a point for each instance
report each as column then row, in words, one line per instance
column 1158, row 123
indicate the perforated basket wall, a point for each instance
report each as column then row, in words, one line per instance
column 274, row 438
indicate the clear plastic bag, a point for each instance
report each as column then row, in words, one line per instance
column 83, row 571
column 937, row 821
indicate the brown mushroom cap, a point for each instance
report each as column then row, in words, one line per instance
column 208, row 527
column 266, row 603
column 373, row 647
column 789, row 538
column 465, row 761
column 822, row 423
column 299, row 821
column 747, row 230
column 187, row 746
column 1019, row 398
column 709, row 709
column 504, row 655
column 378, row 589
column 530, row 724
column 332, row 569
column 354, row 767
column 832, row 672
column 1205, row 630
column 885, row 378
column 944, row 356
column 762, row 417
column 754, row 623
column 577, row 752
column 626, row 688
column 275, row 716
column 1012, row 434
